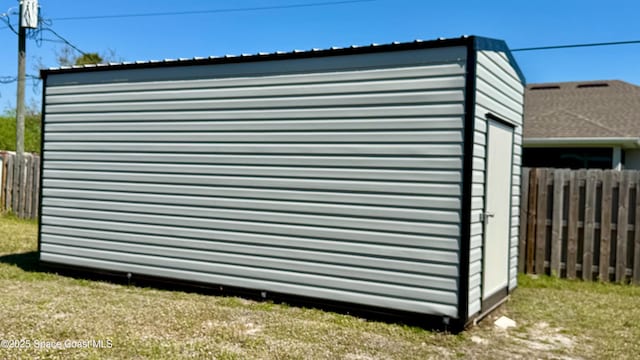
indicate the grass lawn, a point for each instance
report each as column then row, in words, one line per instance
column 556, row 319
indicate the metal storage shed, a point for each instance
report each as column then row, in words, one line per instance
column 384, row 175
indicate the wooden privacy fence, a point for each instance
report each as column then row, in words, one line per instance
column 581, row 224
column 20, row 194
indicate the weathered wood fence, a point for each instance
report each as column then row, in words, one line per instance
column 20, row 194
column 581, row 224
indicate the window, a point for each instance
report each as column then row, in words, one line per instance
column 571, row 158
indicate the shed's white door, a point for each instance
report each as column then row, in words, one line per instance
column 498, row 208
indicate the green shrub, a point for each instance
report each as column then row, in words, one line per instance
column 32, row 130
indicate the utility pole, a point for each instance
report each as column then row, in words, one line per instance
column 22, row 58
column 28, row 19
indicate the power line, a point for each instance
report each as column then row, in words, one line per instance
column 37, row 34
column 275, row 7
column 65, row 41
column 12, row 79
column 6, row 19
column 577, row 45
column 213, row 11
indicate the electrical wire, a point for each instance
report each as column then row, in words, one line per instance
column 6, row 19
column 65, row 41
column 553, row 47
column 37, row 34
column 11, row 79
column 213, row 11
column 7, row 79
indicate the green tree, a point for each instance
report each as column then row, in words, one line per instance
column 67, row 56
column 89, row 58
column 31, row 132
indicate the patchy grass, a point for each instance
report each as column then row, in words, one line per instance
column 604, row 319
column 17, row 235
column 557, row 319
column 565, row 319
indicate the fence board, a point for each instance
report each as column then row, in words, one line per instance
column 25, row 187
column 20, row 186
column 35, row 207
column 556, row 224
column 572, row 221
column 524, row 209
column 29, row 191
column 601, row 212
column 605, row 226
column 9, row 184
column 589, row 223
column 17, row 178
column 4, row 181
column 541, row 221
column 531, row 218
column 636, row 230
column 622, row 226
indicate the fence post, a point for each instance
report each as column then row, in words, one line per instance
column 541, row 221
column 524, row 198
column 636, row 235
column 532, row 208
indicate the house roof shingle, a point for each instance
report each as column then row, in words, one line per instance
column 587, row 109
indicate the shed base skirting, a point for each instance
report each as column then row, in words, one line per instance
column 371, row 313
column 491, row 303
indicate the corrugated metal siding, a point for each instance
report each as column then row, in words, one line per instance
column 336, row 179
column 498, row 91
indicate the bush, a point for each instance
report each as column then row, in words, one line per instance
column 32, row 130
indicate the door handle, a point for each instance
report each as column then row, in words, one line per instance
column 484, row 217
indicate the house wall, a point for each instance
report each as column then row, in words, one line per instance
column 499, row 91
column 632, row 159
column 335, row 178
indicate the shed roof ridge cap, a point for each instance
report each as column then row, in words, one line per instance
column 471, row 42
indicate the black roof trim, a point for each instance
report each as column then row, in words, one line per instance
column 484, row 43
